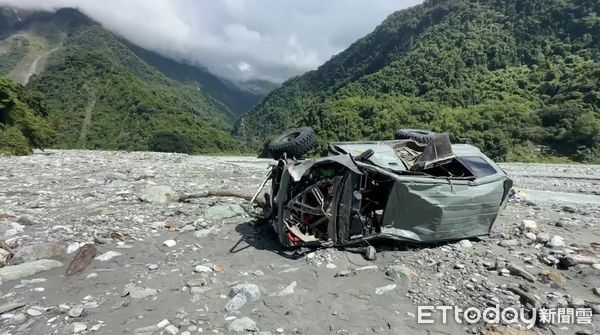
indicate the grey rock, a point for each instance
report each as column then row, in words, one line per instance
column 385, row 289
column 528, row 225
column 119, row 184
column 171, row 329
column 242, row 325
column 136, row 292
column 187, row 228
column 265, row 333
column 205, row 232
column 152, row 267
column 160, row 194
column 519, row 271
column 370, row 253
column 569, row 209
column 34, row 311
column 556, row 242
column 241, row 294
column 508, row 243
column 108, row 256
column 288, row 289
column 542, row 238
column 465, row 244
column 531, row 236
column 17, row 319
column 36, row 251
column 14, row 272
column 78, row 327
column 343, row 273
column 221, row 212
column 595, row 266
column 197, row 282
column 596, row 291
column 76, row 311
column 202, row 269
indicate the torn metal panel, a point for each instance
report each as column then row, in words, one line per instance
column 299, row 169
column 445, row 210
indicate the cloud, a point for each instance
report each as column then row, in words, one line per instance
column 237, row 39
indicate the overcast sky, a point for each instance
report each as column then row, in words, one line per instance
column 238, row 39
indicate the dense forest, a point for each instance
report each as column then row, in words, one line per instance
column 519, row 78
column 21, row 127
column 97, row 91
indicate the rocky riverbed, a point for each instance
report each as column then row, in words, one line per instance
column 149, row 264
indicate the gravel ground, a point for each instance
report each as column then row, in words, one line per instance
column 164, row 267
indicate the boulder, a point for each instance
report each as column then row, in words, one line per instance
column 14, row 272
column 159, row 194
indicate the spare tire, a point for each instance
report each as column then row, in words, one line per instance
column 418, row 135
column 296, row 143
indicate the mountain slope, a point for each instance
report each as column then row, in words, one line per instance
column 99, row 93
column 509, row 74
column 236, row 99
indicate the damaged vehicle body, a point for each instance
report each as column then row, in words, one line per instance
column 402, row 189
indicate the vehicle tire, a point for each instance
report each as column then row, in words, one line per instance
column 418, row 135
column 296, row 143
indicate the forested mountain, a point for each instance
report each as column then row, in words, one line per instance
column 509, row 74
column 236, row 97
column 99, row 92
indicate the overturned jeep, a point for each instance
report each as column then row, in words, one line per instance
column 419, row 188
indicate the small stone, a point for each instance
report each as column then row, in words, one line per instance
column 531, row 236
column 108, row 256
column 76, row 311
column 330, row 266
column 385, row 289
column 138, row 292
column 169, row 243
column 159, row 194
column 202, row 269
column 556, row 242
column 242, row 325
column 509, row 243
column 596, row 291
column 542, row 238
column 78, row 327
column 72, row 247
column 577, row 302
column 17, row 319
column 504, row 272
column 163, row 324
column 465, row 244
column 595, row 266
column 171, row 329
column 343, row 273
column 370, row 253
column 288, row 290
column 459, row 266
column 401, row 272
column 152, row 267
column 205, row 232
column 528, row 225
column 92, row 275
column 569, row 209
column 34, row 312
column 279, row 330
